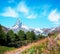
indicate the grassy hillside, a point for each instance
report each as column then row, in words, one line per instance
column 4, row 49
column 42, row 49
column 51, row 46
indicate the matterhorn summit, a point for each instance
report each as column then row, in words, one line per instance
column 17, row 26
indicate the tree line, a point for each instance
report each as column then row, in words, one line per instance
column 18, row 39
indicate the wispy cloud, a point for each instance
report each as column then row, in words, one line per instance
column 25, row 10
column 21, row 7
column 9, row 12
column 32, row 16
column 54, row 16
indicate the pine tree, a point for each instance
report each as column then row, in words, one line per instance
column 21, row 35
column 10, row 36
column 2, row 36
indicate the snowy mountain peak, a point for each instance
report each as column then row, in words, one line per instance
column 17, row 25
column 18, row 22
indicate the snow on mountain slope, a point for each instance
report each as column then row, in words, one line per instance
column 15, row 27
column 25, row 27
column 19, row 26
column 38, row 29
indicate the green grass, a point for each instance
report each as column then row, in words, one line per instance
column 43, row 48
column 4, row 49
column 54, row 36
column 34, row 49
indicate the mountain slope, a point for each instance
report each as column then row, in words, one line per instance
column 5, row 29
column 19, row 26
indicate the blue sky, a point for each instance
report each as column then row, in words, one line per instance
column 33, row 13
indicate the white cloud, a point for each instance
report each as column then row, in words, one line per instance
column 54, row 16
column 21, row 7
column 32, row 16
column 24, row 11
column 9, row 12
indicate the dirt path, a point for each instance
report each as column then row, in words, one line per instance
column 17, row 51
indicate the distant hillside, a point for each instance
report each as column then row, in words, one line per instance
column 5, row 29
column 51, row 30
column 57, row 29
